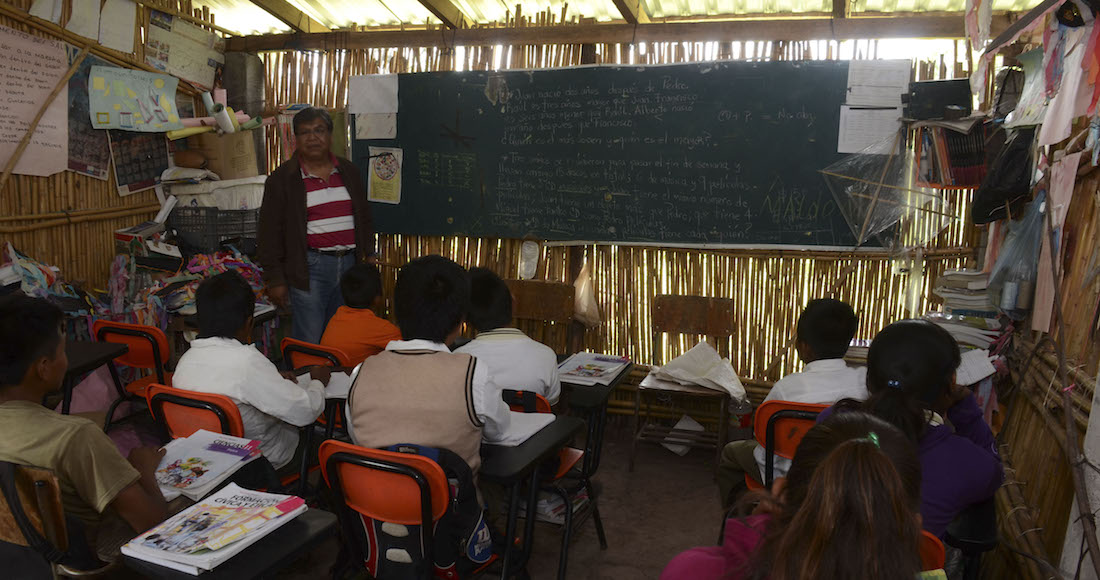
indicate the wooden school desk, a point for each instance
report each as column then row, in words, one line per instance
column 509, row 466
column 85, row 357
column 591, row 402
column 273, row 552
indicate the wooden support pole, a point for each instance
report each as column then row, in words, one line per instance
column 64, row 82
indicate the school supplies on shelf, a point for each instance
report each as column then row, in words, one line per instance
column 195, row 465
column 586, row 368
column 213, row 531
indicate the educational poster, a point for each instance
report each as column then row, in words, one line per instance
column 139, row 159
column 31, row 68
column 116, row 25
column 132, row 100
column 384, row 183
column 376, row 126
column 372, row 94
column 184, row 49
column 89, row 152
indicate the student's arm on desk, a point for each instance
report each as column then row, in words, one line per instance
column 141, row 503
column 270, row 393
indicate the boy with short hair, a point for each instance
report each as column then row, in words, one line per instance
column 355, row 329
column 824, row 332
column 223, row 361
column 94, row 477
column 417, row 391
column 515, row 361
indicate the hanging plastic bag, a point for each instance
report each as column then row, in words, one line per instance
column 1012, row 280
column 585, row 309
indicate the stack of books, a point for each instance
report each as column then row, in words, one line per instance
column 194, row 466
column 965, row 293
column 969, row 331
column 551, row 508
column 210, row 532
column 585, row 368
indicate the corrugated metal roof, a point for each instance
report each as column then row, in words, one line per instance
column 247, row 18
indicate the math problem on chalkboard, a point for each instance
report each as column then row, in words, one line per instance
column 714, row 153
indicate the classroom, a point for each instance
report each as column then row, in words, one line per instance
column 411, row 289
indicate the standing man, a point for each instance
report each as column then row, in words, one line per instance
column 315, row 223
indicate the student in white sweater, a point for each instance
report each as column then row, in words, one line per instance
column 825, row 329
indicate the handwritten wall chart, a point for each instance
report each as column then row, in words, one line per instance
column 140, row 159
column 132, row 100
column 183, row 49
column 89, row 153
column 31, row 68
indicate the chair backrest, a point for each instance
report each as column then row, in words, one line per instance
column 544, row 311
column 148, row 344
column 39, row 496
column 184, row 412
column 710, row 317
column 526, row 401
column 779, row 427
column 932, row 553
column 388, row 486
column 300, row 354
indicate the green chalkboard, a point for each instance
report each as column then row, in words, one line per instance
column 712, row 153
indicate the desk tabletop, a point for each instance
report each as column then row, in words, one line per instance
column 593, row 396
column 276, row 550
column 86, row 356
column 509, row 464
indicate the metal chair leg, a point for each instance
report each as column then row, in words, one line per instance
column 567, row 531
column 596, row 514
column 637, row 428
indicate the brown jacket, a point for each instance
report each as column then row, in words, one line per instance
column 281, row 240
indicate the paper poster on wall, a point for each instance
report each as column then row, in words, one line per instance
column 89, row 152
column 384, row 183
column 139, row 159
column 132, row 100
column 372, row 94
column 376, row 126
column 183, row 49
column 861, row 127
column 84, row 19
column 47, row 10
column 1032, row 106
column 878, row 82
column 116, row 25
column 31, row 68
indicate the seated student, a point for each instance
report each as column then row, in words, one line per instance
column 355, row 329
column 824, row 331
column 911, row 377
column 417, row 391
column 97, row 485
column 223, row 361
column 514, row 360
column 854, row 470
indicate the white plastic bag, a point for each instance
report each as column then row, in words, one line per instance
column 585, row 309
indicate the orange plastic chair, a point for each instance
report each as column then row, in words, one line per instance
column 183, row 412
column 300, row 354
column 148, row 350
column 932, row 553
column 779, row 426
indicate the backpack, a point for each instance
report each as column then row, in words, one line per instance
column 461, row 541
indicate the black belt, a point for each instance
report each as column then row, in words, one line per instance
column 333, row 253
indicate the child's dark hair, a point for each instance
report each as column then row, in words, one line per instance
column 490, row 300
column 910, row 365
column 827, row 326
column 225, row 303
column 431, row 297
column 361, row 284
column 849, row 509
column 30, row 328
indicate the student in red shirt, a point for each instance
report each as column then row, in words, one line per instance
column 355, row 329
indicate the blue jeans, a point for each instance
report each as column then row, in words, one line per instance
column 312, row 309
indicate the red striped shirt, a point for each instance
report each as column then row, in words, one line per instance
column 329, row 220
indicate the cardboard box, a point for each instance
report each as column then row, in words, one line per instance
column 231, row 156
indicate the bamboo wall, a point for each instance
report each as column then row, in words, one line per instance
column 771, row 287
column 68, row 219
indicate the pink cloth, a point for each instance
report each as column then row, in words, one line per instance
column 730, row 561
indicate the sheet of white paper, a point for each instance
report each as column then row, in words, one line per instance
column 339, row 385
column 372, row 94
column 31, row 68
column 701, row 365
column 1059, row 115
column 116, row 26
column 376, row 126
column 673, row 444
column 877, row 82
column 1062, row 179
column 975, row 366
column 521, row 426
column 85, row 18
column 47, row 10
column 861, row 127
column 1032, row 106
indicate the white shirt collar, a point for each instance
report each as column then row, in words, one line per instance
column 417, row 344
column 826, row 364
column 217, row 341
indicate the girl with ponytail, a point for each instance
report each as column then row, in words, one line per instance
column 911, row 378
column 848, row 508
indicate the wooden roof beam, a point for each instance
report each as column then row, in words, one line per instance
column 296, row 19
column 633, row 11
column 937, row 26
column 842, row 8
column 447, row 12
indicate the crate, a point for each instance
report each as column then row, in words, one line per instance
column 203, row 229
